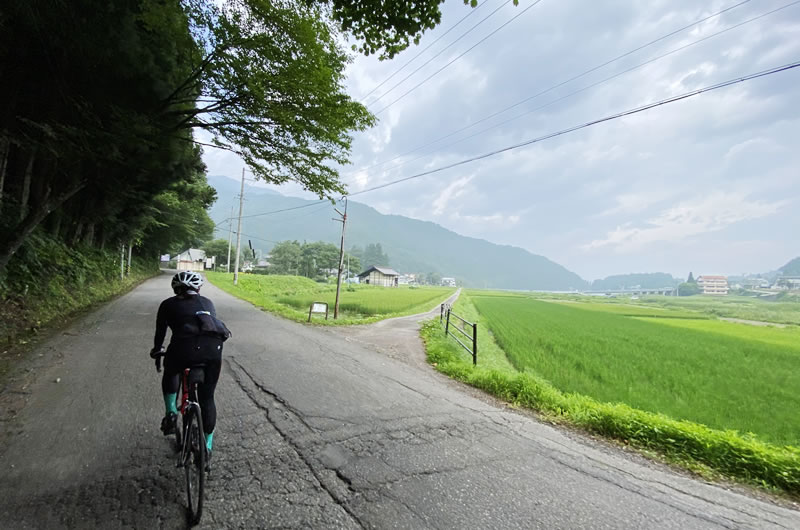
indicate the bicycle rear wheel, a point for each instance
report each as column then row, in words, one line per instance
column 194, row 463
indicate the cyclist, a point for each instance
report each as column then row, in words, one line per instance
column 187, row 348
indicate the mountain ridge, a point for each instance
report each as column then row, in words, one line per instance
column 413, row 245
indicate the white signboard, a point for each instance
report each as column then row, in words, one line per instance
column 318, row 307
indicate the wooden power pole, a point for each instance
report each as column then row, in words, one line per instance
column 239, row 234
column 343, row 220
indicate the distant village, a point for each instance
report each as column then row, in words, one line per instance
column 195, row 259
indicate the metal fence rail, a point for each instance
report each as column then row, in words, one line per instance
column 445, row 313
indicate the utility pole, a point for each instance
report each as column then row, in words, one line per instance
column 343, row 220
column 122, row 262
column 230, row 231
column 239, row 234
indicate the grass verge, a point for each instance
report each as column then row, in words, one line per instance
column 291, row 296
column 691, row 445
column 48, row 283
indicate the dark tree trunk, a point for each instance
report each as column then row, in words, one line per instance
column 26, row 188
column 5, row 147
column 12, row 239
column 76, row 235
column 88, row 236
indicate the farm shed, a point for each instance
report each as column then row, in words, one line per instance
column 192, row 259
column 383, row 276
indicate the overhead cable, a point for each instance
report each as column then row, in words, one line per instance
column 407, row 92
column 578, row 91
column 454, row 26
column 636, row 110
column 423, row 65
column 562, row 83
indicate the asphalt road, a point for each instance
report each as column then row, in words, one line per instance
column 317, row 429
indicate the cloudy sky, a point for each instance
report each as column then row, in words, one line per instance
column 710, row 184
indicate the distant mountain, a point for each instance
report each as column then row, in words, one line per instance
column 413, row 246
column 649, row 280
column 791, row 269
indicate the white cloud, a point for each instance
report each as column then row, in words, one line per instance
column 711, row 213
column 453, row 190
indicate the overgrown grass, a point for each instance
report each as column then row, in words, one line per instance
column 47, row 282
column 692, row 445
column 721, row 380
column 291, row 296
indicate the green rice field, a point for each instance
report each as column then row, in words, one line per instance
column 680, row 361
column 291, row 297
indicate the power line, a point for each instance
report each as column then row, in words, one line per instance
column 636, row 110
column 670, row 34
column 454, row 26
column 549, row 103
column 441, row 52
column 459, row 56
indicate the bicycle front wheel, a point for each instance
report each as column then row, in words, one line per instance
column 194, row 463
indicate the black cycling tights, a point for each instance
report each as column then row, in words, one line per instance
column 205, row 392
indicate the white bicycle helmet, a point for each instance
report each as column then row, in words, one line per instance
column 187, row 279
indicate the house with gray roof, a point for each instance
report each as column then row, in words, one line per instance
column 383, row 276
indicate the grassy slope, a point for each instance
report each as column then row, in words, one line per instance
column 48, row 283
column 291, row 296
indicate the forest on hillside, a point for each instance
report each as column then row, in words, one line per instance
column 108, row 104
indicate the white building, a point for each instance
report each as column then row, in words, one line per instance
column 713, row 284
column 192, row 259
column 448, row 282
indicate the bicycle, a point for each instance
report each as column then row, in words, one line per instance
column 190, row 439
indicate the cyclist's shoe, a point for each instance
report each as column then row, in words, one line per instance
column 169, row 425
column 208, row 461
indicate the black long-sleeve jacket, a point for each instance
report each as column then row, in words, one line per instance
column 178, row 312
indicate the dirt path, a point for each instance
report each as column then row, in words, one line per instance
column 395, row 337
column 753, row 322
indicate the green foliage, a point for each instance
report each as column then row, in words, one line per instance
column 291, row 296
column 271, row 89
column 689, row 288
column 48, row 281
column 313, row 260
column 691, row 278
column 387, row 31
column 689, row 444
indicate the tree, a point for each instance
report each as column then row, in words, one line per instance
column 387, row 27
column 285, row 258
column 691, row 278
column 269, row 86
column 433, row 278
column 688, row 289
column 374, row 256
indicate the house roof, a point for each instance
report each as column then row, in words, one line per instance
column 383, row 270
column 709, row 277
column 192, row 254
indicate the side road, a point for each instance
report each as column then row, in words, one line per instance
column 315, row 431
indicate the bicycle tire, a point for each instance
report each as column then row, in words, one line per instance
column 194, row 463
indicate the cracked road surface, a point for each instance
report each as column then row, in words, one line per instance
column 315, row 430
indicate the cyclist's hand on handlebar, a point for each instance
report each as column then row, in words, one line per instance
column 157, row 354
